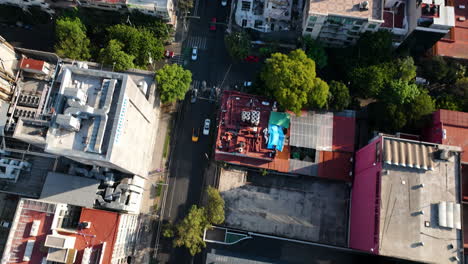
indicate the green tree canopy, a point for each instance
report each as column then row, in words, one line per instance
column 373, row 48
column 420, row 108
column 292, row 80
column 338, row 98
column 448, row 102
column 72, row 41
column 399, row 92
column 437, row 70
column 185, row 5
column 138, row 42
column 189, row 232
column 215, row 206
column 386, row 117
column 113, row 54
column 406, row 70
column 173, row 82
column 368, row 82
column 238, row 44
column 316, row 52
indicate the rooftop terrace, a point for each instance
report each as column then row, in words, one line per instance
column 348, row 8
column 242, row 142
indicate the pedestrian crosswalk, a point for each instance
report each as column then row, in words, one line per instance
column 196, row 84
column 177, row 59
column 200, row 42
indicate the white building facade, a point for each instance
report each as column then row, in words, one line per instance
column 342, row 25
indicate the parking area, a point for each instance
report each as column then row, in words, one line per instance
column 8, row 205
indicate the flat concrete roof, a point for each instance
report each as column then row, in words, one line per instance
column 306, row 209
column 409, row 220
column 74, row 190
column 347, row 8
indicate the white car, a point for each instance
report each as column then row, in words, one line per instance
column 223, row 2
column 206, row 127
column 194, row 53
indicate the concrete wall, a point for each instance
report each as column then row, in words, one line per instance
column 365, row 196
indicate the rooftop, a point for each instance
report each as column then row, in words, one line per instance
column 95, row 117
column 315, row 143
column 406, row 200
column 94, row 242
column 455, row 43
column 74, row 190
column 306, row 209
column 243, row 142
column 450, row 128
column 347, row 8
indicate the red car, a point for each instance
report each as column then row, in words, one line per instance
column 213, row 24
column 251, row 58
column 169, row 54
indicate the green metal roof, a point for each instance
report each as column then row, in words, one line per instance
column 279, row 119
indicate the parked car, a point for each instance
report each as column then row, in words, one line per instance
column 169, row 54
column 223, row 2
column 195, row 134
column 213, row 24
column 194, row 53
column 5, row 224
column 206, row 127
column 251, row 58
column 193, row 97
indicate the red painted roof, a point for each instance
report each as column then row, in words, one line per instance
column 32, row 64
column 456, row 43
column 455, row 125
column 104, row 228
column 335, row 165
column 364, row 228
column 232, row 132
column 22, row 236
column 343, row 133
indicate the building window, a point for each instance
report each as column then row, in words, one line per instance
column 309, row 29
column 353, row 33
column 371, row 26
column 245, row 6
column 356, row 28
column 358, row 22
column 349, row 38
column 244, row 22
column 258, row 24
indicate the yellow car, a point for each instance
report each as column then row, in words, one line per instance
column 195, row 134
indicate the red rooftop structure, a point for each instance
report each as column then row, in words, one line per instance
column 44, row 232
column 34, row 66
column 455, row 43
column 405, row 201
column 313, row 144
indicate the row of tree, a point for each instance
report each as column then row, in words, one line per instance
column 123, row 46
column 292, row 80
column 189, row 232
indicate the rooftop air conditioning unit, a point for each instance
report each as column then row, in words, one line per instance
column 461, row 18
column 363, row 6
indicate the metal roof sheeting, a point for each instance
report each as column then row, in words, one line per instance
column 408, row 154
column 312, row 130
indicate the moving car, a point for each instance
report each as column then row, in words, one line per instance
column 213, row 24
column 223, row 2
column 251, row 58
column 206, row 127
column 195, row 134
column 194, row 53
